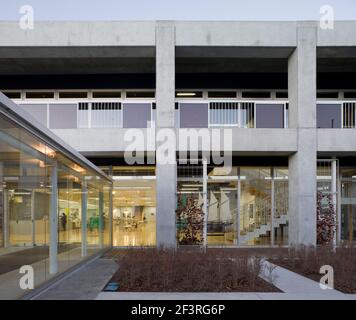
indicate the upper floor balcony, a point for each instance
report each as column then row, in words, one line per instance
column 193, row 109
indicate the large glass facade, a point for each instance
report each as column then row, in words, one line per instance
column 222, row 197
column 190, row 199
column 134, row 206
column 33, row 174
column 348, row 204
column 244, row 205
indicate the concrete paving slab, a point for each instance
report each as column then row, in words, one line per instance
column 293, row 283
column 84, row 284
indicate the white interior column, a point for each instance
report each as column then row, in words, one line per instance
column 33, row 220
column 101, row 219
column 166, row 174
column 84, row 219
column 302, row 117
column 53, row 222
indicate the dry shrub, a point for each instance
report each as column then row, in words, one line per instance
column 184, row 270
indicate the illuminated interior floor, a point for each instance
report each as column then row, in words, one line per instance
column 143, row 235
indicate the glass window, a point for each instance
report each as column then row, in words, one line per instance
column 194, row 115
column 73, row 94
column 255, row 206
column 189, row 213
column 136, row 115
column 13, row 94
column 63, row 116
column 281, row 206
column 38, row 111
column 25, row 168
column 140, row 94
column 28, row 171
column 269, row 116
column 222, row 206
column 256, row 94
column 222, row 94
column 40, row 95
column 189, row 94
column 348, row 203
column 106, row 94
column 134, row 206
column 328, row 116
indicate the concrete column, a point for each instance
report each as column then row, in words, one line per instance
column 302, row 116
column 166, row 174
column 84, row 219
column 165, row 74
column 53, row 222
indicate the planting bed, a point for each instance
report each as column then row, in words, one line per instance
column 188, row 270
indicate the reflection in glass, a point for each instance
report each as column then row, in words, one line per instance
column 222, row 207
column 255, row 206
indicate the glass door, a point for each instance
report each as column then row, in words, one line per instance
column 20, row 212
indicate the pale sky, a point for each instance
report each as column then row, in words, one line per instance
column 177, row 9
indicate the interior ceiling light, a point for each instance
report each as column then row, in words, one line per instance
column 186, row 94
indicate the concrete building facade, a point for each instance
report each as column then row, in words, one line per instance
column 284, row 91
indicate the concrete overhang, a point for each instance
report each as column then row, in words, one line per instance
column 244, row 141
column 340, row 141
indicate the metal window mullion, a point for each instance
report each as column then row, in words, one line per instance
column 238, row 208
column 272, row 207
column 89, row 114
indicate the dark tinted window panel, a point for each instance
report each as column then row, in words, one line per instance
column 106, row 94
column 282, row 94
column 327, row 95
column 63, row 116
column 136, row 115
column 194, row 115
column 222, row 94
column 13, row 95
column 328, row 116
column 38, row 111
column 140, row 94
column 40, row 95
column 189, row 94
column 256, row 94
column 73, row 95
column 269, row 116
column 350, row 95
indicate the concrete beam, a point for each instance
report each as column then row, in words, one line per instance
column 337, row 140
column 70, row 33
column 302, row 117
column 91, row 141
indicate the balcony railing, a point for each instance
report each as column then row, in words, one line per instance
column 199, row 113
column 238, row 114
column 94, row 114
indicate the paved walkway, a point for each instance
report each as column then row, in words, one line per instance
column 83, row 284
column 293, row 283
